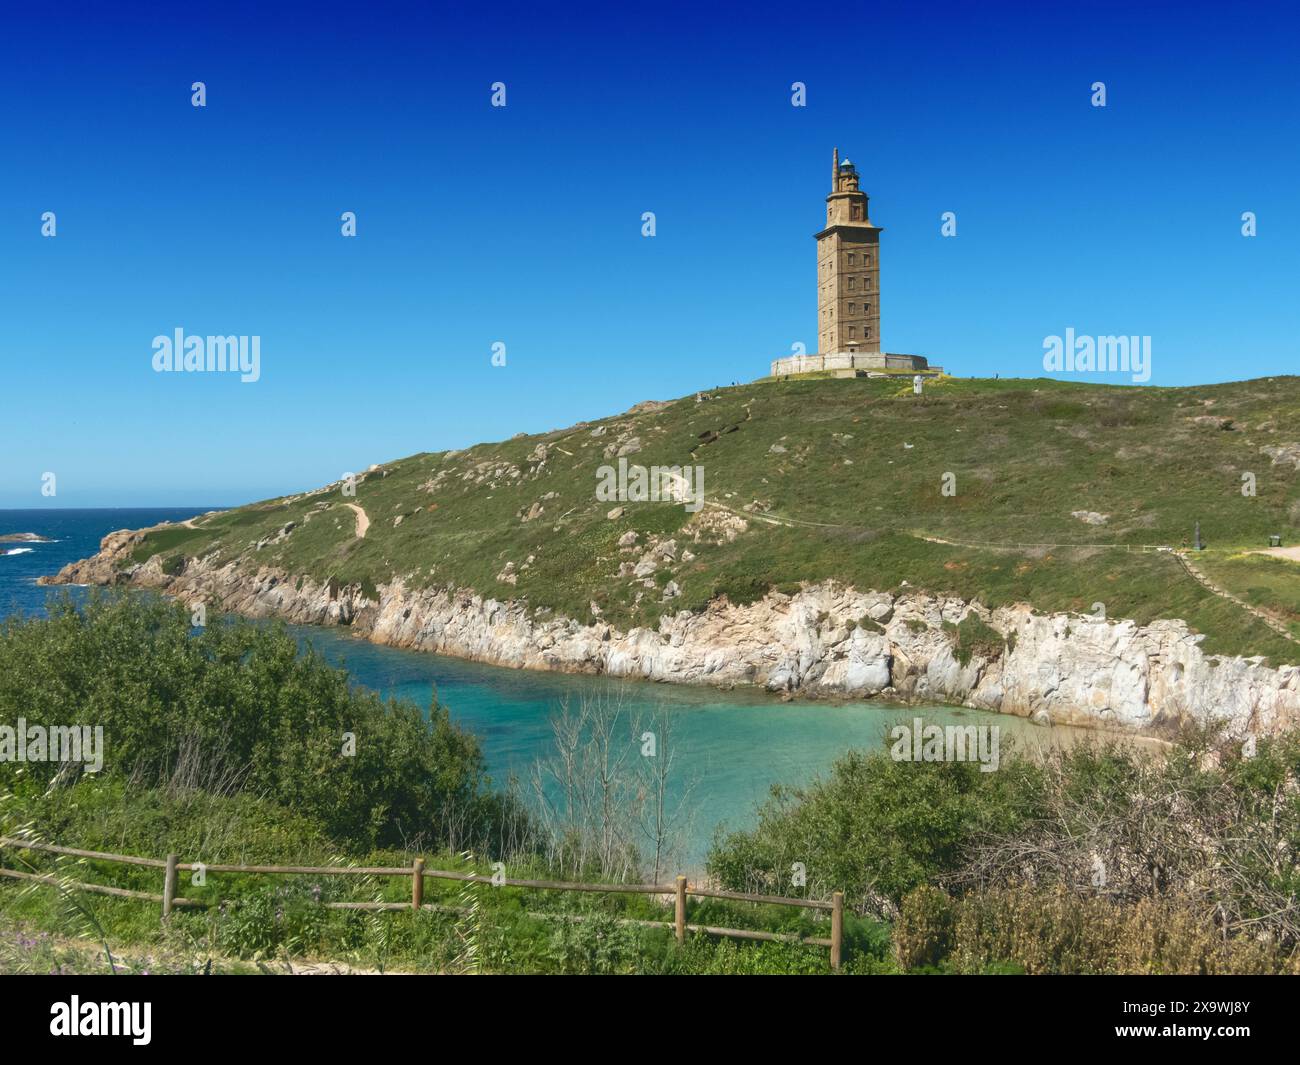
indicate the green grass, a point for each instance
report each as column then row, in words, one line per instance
column 167, row 541
column 1272, row 584
column 861, row 454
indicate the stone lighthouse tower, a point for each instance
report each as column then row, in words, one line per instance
column 848, row 292
column 848, row 268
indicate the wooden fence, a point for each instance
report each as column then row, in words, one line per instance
column 681, row 890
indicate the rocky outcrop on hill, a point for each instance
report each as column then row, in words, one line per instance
column 112, row 565
column 825, row 640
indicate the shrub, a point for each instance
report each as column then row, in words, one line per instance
column 924, row 930
column 1054, row 931
column 282, row 919
column 874, row 828
column 236, row 708
column 972, row 636
column 741, row 589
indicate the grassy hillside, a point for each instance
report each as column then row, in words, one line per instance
column 838, row 478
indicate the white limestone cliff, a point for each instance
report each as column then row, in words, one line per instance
column 827, row 640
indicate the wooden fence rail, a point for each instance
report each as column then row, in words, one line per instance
column 680, row 890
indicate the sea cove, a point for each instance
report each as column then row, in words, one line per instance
column 731, row 746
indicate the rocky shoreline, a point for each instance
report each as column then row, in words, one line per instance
column 826, row 640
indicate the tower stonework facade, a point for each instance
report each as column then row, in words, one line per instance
column 848, row 292
column 848, row 268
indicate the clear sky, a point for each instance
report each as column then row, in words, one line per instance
column 522, row 225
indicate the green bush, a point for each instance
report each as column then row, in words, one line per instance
column 284, row 918
column 237, row 708
column 972, row 637
column 874, row 828
column 741, row 589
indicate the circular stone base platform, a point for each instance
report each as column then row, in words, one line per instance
column 845, row 360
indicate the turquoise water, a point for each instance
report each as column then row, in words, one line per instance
column 730, row 747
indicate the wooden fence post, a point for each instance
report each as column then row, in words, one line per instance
column 679, row 917
column 169, row 886
column 417, row 871
column 417, row 884
column 837, row 929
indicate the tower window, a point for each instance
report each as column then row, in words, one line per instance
column 852, row 258
column 852, row 308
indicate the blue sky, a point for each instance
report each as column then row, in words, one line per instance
column 522, row 224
